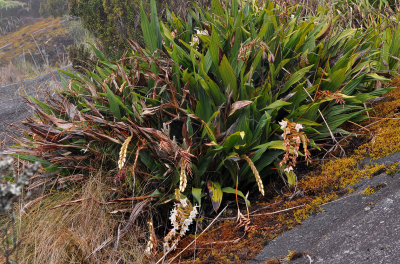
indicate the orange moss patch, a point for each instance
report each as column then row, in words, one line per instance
column 384, row 126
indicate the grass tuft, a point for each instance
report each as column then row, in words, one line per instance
column 70, row 233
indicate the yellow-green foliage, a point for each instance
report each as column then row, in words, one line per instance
column 23, row 40
column 111, row 21
column 8, row 4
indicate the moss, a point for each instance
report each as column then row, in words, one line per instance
column 368, row 190
column 293, row 255
column 393, row 168
column 29, row 38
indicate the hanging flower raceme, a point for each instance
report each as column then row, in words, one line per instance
column 182, row 216
column 293, row 136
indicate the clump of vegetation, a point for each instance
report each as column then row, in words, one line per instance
column 79, row 226
column 80, row 57
column 9, row 4
column 55, row 8
column 12, row 184
column 113, row 22
column 368, row 190
column 216, row 102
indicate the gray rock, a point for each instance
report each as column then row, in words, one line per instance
column 12, row 106
column 356, row 228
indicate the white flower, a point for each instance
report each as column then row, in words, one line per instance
column 173, row 215
column 283, row 124
column 195, row 41
column 298, row 127
column 202, row 32
column 185, row 226
column 184, row 202
column 172, row 232
column 187, row 222
column 193, row 213
column 147, row 252
column 288, row 169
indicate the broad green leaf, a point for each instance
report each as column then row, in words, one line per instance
column 291, row 178
column 196, row 192
column 228, row 76
column 233, row 139
column 276, row 105
column 297, row 76
column 33, row 159
column 233, row 191
column 114, row 105
column 215, row 192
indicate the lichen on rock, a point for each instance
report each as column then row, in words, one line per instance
column 12, row 183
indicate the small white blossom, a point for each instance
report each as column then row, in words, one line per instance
column 283, row 124
column 298, row 127
column 202, row 32
column 173, row 232
column 173, row 216
column 288, row 169
column 184, row 202
column 193, row 213
column 195, row 41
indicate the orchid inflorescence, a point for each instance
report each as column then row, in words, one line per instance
column 182, row 216
column 293, row 136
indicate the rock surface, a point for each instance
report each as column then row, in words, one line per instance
column 12, row 105
column 356, row 228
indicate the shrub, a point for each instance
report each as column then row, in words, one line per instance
column 112, row 22
column 80, row 57
column 55, row 8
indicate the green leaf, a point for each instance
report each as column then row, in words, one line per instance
column 307, row 122
column 215, row 192
column 233, row 191
column 196, row 192
column 377, row 77
column 233, row 139
column 228, row 76
column 114, row 105
column 276, row 105
column 149, row 36
column 98, row 53
column 291, row 178
column 216, row 8
column 297, row 76
column 44, row 106
column 48, row 165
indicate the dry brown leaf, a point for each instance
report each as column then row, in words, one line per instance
column 239, row 105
